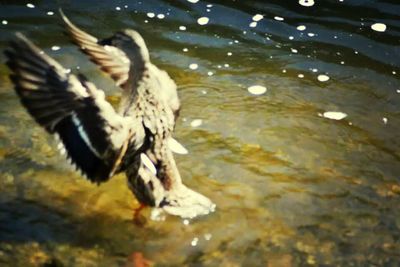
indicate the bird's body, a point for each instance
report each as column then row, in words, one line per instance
column 99, row 140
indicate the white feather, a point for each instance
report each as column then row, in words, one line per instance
column 177, row 147
column 83, row 134
column 148, row 163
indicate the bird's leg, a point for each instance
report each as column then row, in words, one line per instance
column 136, row 211
column 138, row 219
column 136, row 259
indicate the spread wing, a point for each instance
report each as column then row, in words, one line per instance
column 110, row 59
column 93, row 134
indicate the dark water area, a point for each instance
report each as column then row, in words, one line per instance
column 304, row 174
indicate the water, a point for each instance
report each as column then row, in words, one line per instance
column 292, row 187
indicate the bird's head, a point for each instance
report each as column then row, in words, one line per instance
column 131, row 43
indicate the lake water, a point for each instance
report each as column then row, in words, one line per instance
column 293, row 186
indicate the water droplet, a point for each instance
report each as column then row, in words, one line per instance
column 385, row 120
column 185, row 49
column 117, row 8
column 4, row 22
column 50, row 13
column 186, row 222
column 253, row 24
column 55, row 48
column 193, row 66
column 294, row 50
column 279, row 18
column 258, row 17
column 257, row 89
column 203, row 20
column 306, row 3
column 334, row 115
column 207, row 236
column 311, row 34
column 193, row 1
column 301, row 76
column 379, row 27
column 210, row 73
column 194, row 242
column 291, row 37
column 151, row 15
column 301, row 28
column 196, row 123
column 160, row 16
column 182, row 28
column 323, row 78
column 157, row 215
column 30, row 5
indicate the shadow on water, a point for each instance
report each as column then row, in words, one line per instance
column 50, row 228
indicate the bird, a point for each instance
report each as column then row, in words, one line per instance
column 102, row 141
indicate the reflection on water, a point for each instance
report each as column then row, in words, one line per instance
column 292, row 186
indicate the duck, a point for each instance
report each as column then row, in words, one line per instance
column 98, row 139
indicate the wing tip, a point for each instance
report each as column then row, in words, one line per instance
column 64, row 17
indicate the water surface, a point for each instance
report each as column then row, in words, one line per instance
column 292, row 187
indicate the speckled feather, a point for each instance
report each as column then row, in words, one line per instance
column 99, row 140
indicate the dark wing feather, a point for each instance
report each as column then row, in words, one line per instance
column 93, row 134
column 110, row 59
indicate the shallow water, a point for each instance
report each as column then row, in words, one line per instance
column 292, row 187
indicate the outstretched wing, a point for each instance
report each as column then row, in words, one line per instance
column 93, row 134
column 110, row 59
